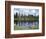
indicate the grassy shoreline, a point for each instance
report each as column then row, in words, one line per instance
column 25, row 27
column 16, row 19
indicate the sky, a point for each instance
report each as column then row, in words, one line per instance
column 25, row 11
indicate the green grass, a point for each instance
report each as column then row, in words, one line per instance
column 25, row 19
column 25, row 27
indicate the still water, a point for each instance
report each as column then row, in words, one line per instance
column 34, row 23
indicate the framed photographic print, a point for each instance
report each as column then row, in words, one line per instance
column 24, row 19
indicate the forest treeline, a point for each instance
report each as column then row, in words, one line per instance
column 18, row 17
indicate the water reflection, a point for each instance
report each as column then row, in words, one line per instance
column 36, row 23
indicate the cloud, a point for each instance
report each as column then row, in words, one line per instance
column 26, row 11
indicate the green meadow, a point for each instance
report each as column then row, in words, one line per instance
column 25, row 27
